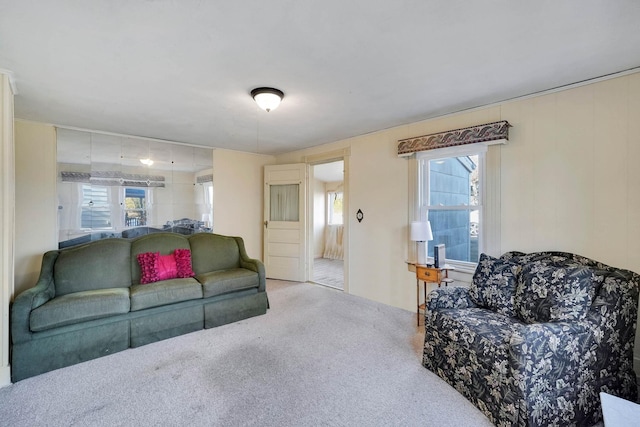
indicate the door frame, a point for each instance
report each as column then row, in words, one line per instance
column 317, row 159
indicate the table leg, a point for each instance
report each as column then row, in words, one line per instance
column 418, row 301
column 424, row 284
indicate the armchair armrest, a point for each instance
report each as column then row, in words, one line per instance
column 550, row 356
column 552, row 364
column 453, row 297
column 32, row 298
column 539, row 345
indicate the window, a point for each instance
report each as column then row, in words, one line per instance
column 284, row 202
column 334, row 205
column 450, row 197
column 208, row 193
column 96, row 207
column 207, row 212
column 135, row 207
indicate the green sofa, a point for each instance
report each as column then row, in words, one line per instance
column 89, row 301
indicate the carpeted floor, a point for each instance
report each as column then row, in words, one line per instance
column 319, row 357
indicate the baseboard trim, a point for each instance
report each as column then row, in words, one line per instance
column 5, row 376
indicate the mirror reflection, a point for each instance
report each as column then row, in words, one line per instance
column 114, row 186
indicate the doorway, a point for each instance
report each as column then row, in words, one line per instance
column 328, row 235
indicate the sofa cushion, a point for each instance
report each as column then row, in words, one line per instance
column 213, row 252
column 79, row 307
column 548, row 293
column 164, row 292
column 494, row 284
column 221, row 282
column 103, row 264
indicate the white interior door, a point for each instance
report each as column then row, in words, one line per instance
column 285, row 221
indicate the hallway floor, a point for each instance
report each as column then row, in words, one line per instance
column 329, row 272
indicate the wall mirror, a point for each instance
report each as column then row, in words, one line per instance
column 114, row 186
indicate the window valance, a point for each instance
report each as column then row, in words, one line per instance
column 496, row 132
column 114, row 178
column 204, row 178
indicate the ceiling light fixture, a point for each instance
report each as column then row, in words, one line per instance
column 267, row 98
column 146, row 162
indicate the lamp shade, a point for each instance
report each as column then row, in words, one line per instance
column 420, row 231
column 267, row 98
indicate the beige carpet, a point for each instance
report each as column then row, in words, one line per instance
column 319, row 357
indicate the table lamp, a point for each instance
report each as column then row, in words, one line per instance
column 420, row 232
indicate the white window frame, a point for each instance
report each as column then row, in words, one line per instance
column 146, row 208
column 83, row 206
column 421, row 197
column 207, row 216
column 207, row 189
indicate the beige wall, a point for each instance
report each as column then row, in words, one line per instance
column 570, row 176
column 238, row 196
column 7, row 218
column 569, row 181
column 36, row 200
column 376, row 184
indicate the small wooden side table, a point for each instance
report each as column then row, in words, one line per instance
column 429, row 274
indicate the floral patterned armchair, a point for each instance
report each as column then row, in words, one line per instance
column 536, row 337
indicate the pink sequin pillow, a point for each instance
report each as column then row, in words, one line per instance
column 155, row 267
column 166, row 267
column 148, row 267
column 183, row 263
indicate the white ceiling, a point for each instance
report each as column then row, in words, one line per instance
column 329, row 172
column 183, row 70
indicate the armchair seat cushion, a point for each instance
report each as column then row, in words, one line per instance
column 164, row 292
column 223, row 281
column 79, row 307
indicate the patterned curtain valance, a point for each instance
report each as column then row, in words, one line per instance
column 496, row 131
column 204, row 178
column 113, row 178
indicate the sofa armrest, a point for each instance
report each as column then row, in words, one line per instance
column 257, row 266
column 32, row 298
column 252, row 264
column 449, row 297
